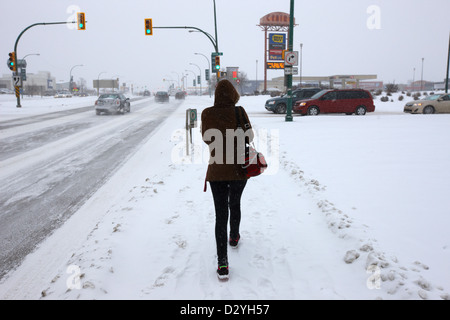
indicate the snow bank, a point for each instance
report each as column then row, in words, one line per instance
column 39, row 105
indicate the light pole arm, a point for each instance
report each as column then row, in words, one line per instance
column 210, row 37
column 33, row 25
column 21, row 34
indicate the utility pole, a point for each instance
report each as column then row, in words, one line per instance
column 448, row 65
column 301, row 62
column 421, row 77
column 289, row 117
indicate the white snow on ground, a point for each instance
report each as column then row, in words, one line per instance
column 350, row 208
column 39, row 105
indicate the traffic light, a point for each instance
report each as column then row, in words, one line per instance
column 217, row 63
column 12, row 61
column 81, row 21
column 148, row 27
column 235, row 75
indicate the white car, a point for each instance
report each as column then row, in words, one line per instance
column 6, row 91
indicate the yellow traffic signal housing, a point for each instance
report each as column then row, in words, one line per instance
column 81, row 21
column 217, row 63
column 12, row 61
column 148, row 27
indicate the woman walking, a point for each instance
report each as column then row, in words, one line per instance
column 225, row 174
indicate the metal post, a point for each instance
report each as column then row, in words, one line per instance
column 301, row 62
column 289, row 117
column 265, row 60
column 70, row 77
column 194, row 78
column 421, row 77
column 448, row 65
column 215, row 27
column 200, row 72
column 256, row 88
column 98, row 83
column 209, row 68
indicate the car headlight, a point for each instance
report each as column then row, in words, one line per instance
column 271, row 102
column 302, row 104
column 417, row 104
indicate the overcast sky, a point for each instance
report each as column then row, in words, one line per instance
column 388, row 38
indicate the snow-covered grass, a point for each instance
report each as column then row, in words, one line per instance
column 350, row 208
column 39, row 105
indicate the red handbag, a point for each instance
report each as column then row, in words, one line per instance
column 254, row 161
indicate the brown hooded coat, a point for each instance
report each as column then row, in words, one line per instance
column 222, row 116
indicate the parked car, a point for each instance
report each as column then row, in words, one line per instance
column 112, row 103
column 348, row 101
column 436, row 103
column 162, row 96
column 279, row 104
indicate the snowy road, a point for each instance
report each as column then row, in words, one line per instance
column 50, row 164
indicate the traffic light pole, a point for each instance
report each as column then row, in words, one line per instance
column 17, row 42
column 215, row 27
column 448, row 66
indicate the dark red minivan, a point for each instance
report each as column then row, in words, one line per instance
column 348, row 101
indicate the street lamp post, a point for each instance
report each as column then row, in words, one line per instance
column 70, row 78
column 209, row 68
column 31, row 54
column 178, row 78
column 98, row 82
column 194, row 79
column 200, row 76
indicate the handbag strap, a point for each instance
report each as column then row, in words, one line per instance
column 239, row 116
column 242, row 121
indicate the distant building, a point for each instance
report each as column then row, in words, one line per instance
column 421, row 86
column 6, row 82
column 37, row 83
column 336, row 81
column 440, row 85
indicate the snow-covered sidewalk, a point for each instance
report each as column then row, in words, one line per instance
column 318, row 225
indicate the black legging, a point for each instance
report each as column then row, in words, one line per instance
column 227, row 195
